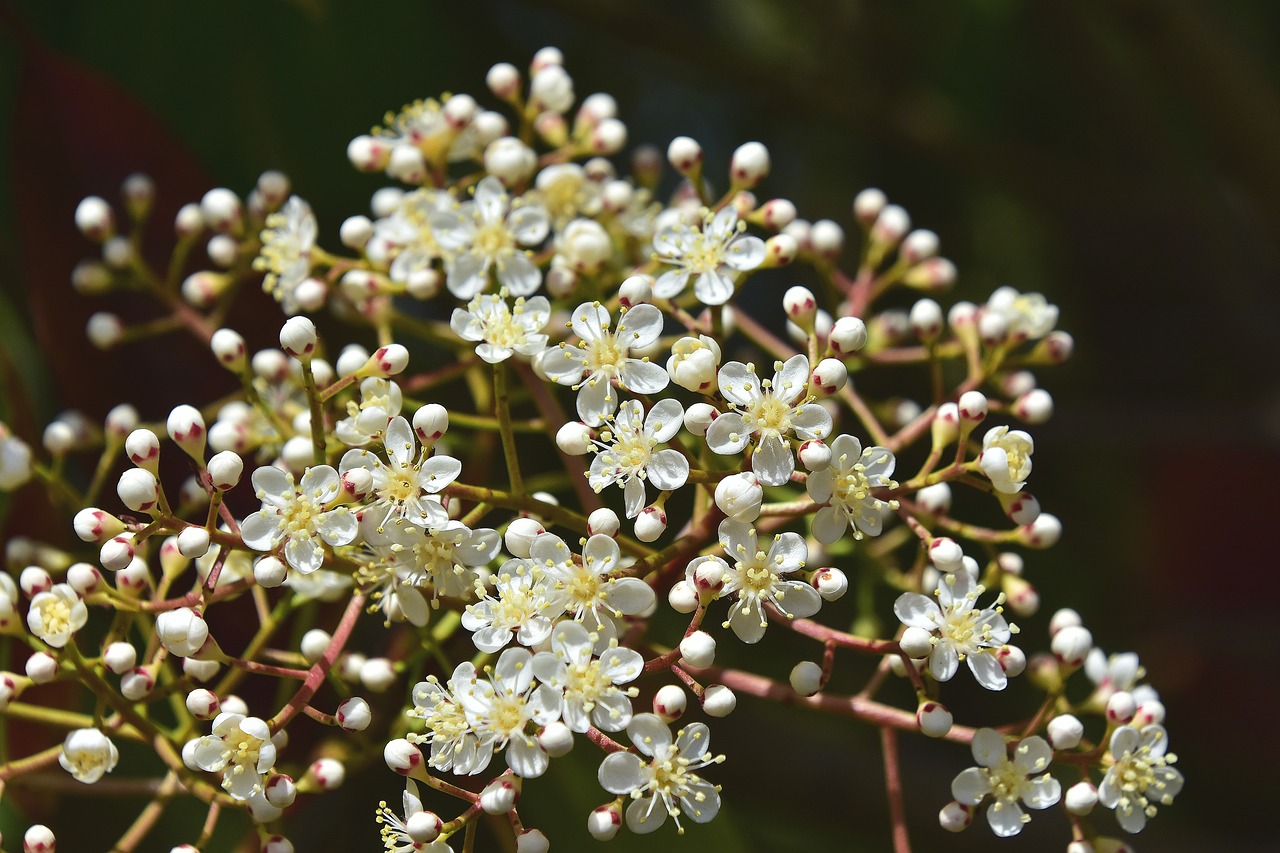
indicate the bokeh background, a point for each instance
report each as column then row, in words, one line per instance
column 1120, row 156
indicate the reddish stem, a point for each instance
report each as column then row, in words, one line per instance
column 893, row 786
column 322, row 666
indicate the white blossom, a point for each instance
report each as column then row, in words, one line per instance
column 406, row 485
column 55, row 615
column 380, row 401
column 846, row 485
column 501, row 331
column 1008, row 782
column 240, row 748
column 960, row 630
column 287, row 242
column 625, row 454
column 1140, row 776
column 487, row 233
column 502, row 708
column 455, row 745
column 712, row 254
column 295, row 515
column 15, row 460
column 590, row 685
column 87, row 754
column 1006, row 458
column 587, row 591
column 1027, row 316
column 524, row 602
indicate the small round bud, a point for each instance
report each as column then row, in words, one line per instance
column 683, row 597
column 298, row 338
column 749, row 165
column 740, row 496
column 919, row 245
column 221, row 210
column 934, row 719
column 276, row 843
column 946, row 554
column 575, row 438
column 1121, row 708
column 203, row 704
column 636, row 290
column 520, row 535
column 1063, row 618
column 314, row 644
column 269, row 572
column 829, row 377
column 193, row 542
column 186, row 427
column 368, row 153
column 608, row 137
column 777, row 213
column 685, row 155
column 138, row 489
column 59, row 438
column 694, row 362
column 93, row 525
column 603, row 823
column 1044, row 532
column 229, row 349
column 510, row 160
column 354, row 715
column 603, row 521
column 779, row 251
column 1035, row 406
column 1071, row 645
column 1149, row 713
column 1022, row 597
column 84, row 579
column 34, row 580
column 388, row 361
column 916, row 643
column 1012, row 660
column 698, row 649
column 378, row 674
column 815, row 455
column 117, row 552
column 503, row 80
column 501, row 795
column 698, row 418
column 827, row 239
column 830, row 582
column 137, row 684
column 1080, row 798
column 120, row 421
column 225, row 469
column 935, row 499
column 801, row 306
column 719, row 701
column 104, row 330
column 41, row 667
column 1021, row 508
column 926, row 320
column 556, row 739
column 972, row 406
column 806, row 678
column 651, row 523
column 39, row 839
column 143, row 450
column 401, row 756
column 891, row 225
column 431, row 422
column 669, row 702
column 407, row 164
column 182, row 631
column 223, row 250
column 867, row 206
column 280, row 790
column 90, row 278
column 355, row 232
column 992, row 328
column 848, row 335
column 423, row 827
column 95, row 219
column 955, row 817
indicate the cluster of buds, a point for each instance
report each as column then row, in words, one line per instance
column 577, row 455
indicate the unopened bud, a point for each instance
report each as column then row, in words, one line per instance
column 1034, row 407
column 698, row 649
column 520, row 535
column 298, row 338
column 926, row 320
column 138, row 489
column 946, row 554
column 575, row 438
column 203, row 704
column 740, row 496
column 431, row 422
column 501, row 795
column 193, row 542
column 651, row 523
column 604, row 822
column 683, row 597
column 354, row 715
column 934, row 719
column 387, row 361
column 401, row 756
column 84, row 579
column 867, row 206
column 815, row 455
column 848, row 335
column 556, row 739
column 269, row 572
column 719, row 701
column 186, row 427
column 801, row 306
column 829, row 377
column 685, row 156
column 669, row 702
column 955, row 817
column 1071, row 645
column 806, row 678
column 603, row 521
column 95, row 219
column 137, row 684
column 831, row 583
column 972, row 406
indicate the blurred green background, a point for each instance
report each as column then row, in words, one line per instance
column 1120, row 156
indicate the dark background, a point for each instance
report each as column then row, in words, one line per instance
column 1120, row 156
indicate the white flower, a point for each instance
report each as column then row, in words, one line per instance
column 287, row 241
column 55, row 615
column 1006, row 458
column 454, row 743
column 603, row 358
column 847, row 485
column 444, row 557
column 1027, row 316
column 296, row 516
column 500, row 330
column 487, row 233
column 767, row 412
column 590, row 685
column 404, row 487
column 1140, row 776
column 666, row 784
column 587, row 592
column 502, row 708
column 626, row 453
column 182, row 631
column 405, row 237
column 380, row 401
column 524, row 602
column 87, row 754
column 758, row 577
column 961, row 632
column 710, row 253
column 240, row 748
column 1008, row 782
column 15, row 460
column 583, row 246
column 566, row 192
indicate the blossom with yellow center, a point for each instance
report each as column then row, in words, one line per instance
column 1010, row 783
column 295, row 516
column 961, row 631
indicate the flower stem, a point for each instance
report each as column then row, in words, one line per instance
column 502, row 408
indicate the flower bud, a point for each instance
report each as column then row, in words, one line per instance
column 138, row 489
column 84, row 579
column 387, row 361
column 229, row 349
column 946, row 554
column 510, row 160
column 829, row 377
column 1063, row 618
column 137, row 684
column 972, row 407
column 830, row 582
column 520, row 535
column 992, row 328
column 740, row 496
column 848, row 335
column 407, row 164
column 193, row 542
column 603, row 823
column 698, row 418
column 1121, row 708
column 314, row 644
column 916, row 643
column 34, row 580
column 749, row 165
column 651, row 523
column 575, row 438
column 431, row 422
column 1080, row 798
column 955, row 817
column 694, row 362
column 143, row 450
column 94, row 525
column 1022, row 508
column 401, row 756
column 698, row 649
column 423, row 827
column 104, row 330
column 776, row 213
column 182, row 631
column 1071, row 645
column 189, row 222
column 891, row 225
column 685, row 156
column 815, row 455
column 368, row 153
column 1065, row 732
column 926, row 320
column 919, row 245
column 353, row 715
column 683, row 597
column 1044, row 532
column 225, row 469
column 801, row 306
column 269, row 572
column 669, row 702
column 867, row 206
column 280, row 790
column 719, row 701
column 378, row 674
column 1022, row 597
column 41, row 667
column 604, row 521
column 39, row 838
column 806, row 678
column 1034, row 407
column 200, row 670
column 186, row 427
column 932, row 274
column 95, row 219
column 325, row 774
column 298, row 338
column 556, row 739
column 501, row 795
column 934, row 719
column 608, row 137
column 203, row 704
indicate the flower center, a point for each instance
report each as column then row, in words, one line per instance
column 56, row 615
column 769, row 414
column 492, row 239
column 299, row 515
column 508, row 714
column 401, row 487
column 604, row 355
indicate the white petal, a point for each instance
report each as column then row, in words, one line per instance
column 738, row 384
column 791, row 381
column 645, row 815
column 713, row 288
column 632, row 596
column 668, row 470
column 745, row 253
column 812, row 421
column 829, row 524
column 772, row 462
column 643, row 377
column 1005, row 818
column 728, row 434
column 468, row 275
column 621, row 773
column 989, row 748
column 526, row 758
column 971, row 786
column 518, row 274
column 640, row 326
column 649, row 734
column 664, row 419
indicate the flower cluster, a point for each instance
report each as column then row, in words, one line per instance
column 549, row 328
